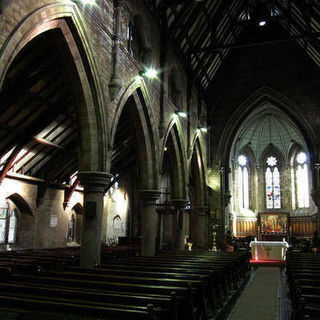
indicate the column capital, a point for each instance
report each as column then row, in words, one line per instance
column 149, row 196
column 317, row 166
column 179, row 203
column 94, row 181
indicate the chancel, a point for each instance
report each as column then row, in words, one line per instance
column 159, row 159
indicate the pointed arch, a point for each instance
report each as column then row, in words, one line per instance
column 197, row 166
column 178, row 159
column 20, row 203
column 250, row 105
column 78, row 208
column 137, row 94
column 66, row 18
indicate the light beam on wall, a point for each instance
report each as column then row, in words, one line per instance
column 88, row 2
column 181, row 113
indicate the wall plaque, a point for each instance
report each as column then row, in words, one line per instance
column 53, row 221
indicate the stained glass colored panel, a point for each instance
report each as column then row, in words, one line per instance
column 276, row 189
column 2, row 230
column 303, row 186
column 12, row 228
column 3, row 213
column 269, row 194
column 240, row 183
column 245, row 188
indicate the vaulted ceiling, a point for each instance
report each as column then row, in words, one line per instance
column 203, row 32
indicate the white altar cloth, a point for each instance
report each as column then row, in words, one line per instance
column 269, row 250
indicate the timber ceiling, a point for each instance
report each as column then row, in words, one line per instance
column 38, row 129
column 205, row 31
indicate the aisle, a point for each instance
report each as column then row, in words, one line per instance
column 259, row 301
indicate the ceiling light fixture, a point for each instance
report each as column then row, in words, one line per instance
column 150, row 73
column 262, row 23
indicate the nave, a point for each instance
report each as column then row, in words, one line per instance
column 49, row 284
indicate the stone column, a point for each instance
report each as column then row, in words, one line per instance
column 148, row 221
column 94, row 184
column 180, row 205
column 202, row 226
column 115, row 81
column 316, row 193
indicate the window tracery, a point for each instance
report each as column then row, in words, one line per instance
column 302, row 180
column 243, row 176
column 272, row 180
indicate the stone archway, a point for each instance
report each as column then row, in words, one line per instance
column 174, row 222
column 198, row 197
column 134, row 161
column 80, row 66
column 91, row 116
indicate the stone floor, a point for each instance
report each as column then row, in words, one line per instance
column 264, row 298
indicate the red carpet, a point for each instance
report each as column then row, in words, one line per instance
column 267, row 263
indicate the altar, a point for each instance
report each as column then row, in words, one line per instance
column 269, row 250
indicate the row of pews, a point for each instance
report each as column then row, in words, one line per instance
column 49, row 284
column 303, row 272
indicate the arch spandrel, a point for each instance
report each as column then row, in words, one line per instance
column 93, row 128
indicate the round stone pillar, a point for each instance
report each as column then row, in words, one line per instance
column 94, row 184
column 180, row 205
column 148, row 221
column 202, row 213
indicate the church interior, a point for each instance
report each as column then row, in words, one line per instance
column 159, row 159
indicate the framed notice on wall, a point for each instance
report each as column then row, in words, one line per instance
column 53, row 222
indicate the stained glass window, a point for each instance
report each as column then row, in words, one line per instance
column 71, row 228
column 273, row 191
column 302, row 181
column 12, row 232
column 8, row 225
column 243, row 180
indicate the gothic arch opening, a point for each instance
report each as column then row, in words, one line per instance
column 198, row 215
column 264, row 173
column 133, row 166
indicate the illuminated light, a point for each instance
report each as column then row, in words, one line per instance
column 198, row 131
column 165, row 148
column 262, row 23
column 181, row 113
column 150, row 73
column 204, row 129
column 88, row 2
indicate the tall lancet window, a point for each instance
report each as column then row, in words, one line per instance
column 243, row 175
column 302, row 180
column 273, row 197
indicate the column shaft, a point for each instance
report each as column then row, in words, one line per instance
column 94, row 184
column 148, row 221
